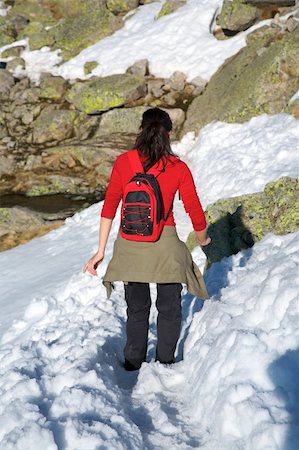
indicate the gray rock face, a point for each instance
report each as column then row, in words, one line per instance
column 56, row 125
column 121, row 6
column 106, row 93
column 271, row 76
column 6, row 83
column 139, row 68
column 237, row 223
column 237, row 15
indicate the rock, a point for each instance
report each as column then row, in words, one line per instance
column 7, row 165
column 121, row 6
column 177, row 81
column 106, row 93
column 17, row 218
column 121, row 120
column 19, row 225
column 177, row 116
column 155, row 87
column 89, row 66
column 13, row 51
column 271, row 79
column 237, row 15
column 238, row 222
column 271, row 2
column 52, row 88
column 170, row 6
column 7, row 32
column 91, row 23
column 57, row 184
column 14, row 63
column 127, row 121
column 292, row 24
column 6, row 83
column 293, row 108
column 86, row 156
column 85, row 126
column 262, row 37
column 33, row 161
column 200, row 84
column 19, row 22
column 38, row 36
column 56, row 125
column 139, row 68
column 31, row 10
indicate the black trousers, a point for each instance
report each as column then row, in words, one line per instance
column 168, row 303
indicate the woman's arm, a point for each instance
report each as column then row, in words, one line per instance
column 193, row 206
column 111, row 202
column 95, row 260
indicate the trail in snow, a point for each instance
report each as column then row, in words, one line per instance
column 61, row 381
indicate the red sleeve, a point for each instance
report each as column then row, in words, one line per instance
column 190, row 199
column 113, row 194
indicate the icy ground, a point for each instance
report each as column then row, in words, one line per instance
column 61, row 381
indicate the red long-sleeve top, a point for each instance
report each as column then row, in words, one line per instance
column 176, row 177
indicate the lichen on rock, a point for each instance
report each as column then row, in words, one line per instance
column 236, row 223
column 250, row 83
column 237, row 15
column 105, row 93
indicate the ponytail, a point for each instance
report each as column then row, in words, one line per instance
column 153, row 140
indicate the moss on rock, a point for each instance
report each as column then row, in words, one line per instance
column 105, row 93
column 237, row 15
column 74, row 33
column 236, row 223
column 53, row 125
column 249, row 83
column 170, row 6
column 121, row 6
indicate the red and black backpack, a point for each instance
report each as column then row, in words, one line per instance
column 142, row 213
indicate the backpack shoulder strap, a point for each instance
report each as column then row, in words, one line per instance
column 135, row 162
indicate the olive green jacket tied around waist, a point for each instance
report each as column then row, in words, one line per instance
column 167, row 260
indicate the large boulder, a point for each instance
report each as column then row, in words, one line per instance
column 127, row 120
column 52, row 88
column 92, row 22
column 237, row 15
column 32, row 10
column 6, row 83
column 236, row 223
column 121, row 6
column 53, row 125
column 121, row 120
column 256, row 80
column 170, row 6
column 106, row 93
column 19, row 225
column 7, row 32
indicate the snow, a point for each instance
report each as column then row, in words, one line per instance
column 235, row 385
column 164, row 42
column 3, row 10
column 61, row 381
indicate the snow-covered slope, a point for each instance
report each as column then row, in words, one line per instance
column 61, row 381
column 235, row 386
column 180, row 41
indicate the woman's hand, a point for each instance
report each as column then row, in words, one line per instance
column 93, row 263
column 207, row 241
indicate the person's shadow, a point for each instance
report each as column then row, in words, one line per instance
column 229, row 236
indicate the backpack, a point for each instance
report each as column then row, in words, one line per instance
column 142, row 212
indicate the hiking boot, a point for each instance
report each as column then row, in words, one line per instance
column 130, row 366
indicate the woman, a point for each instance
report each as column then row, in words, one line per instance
column 167, row 261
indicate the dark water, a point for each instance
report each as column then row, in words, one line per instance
column 50, row 204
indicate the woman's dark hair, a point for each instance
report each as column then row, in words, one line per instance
column 153, row 140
